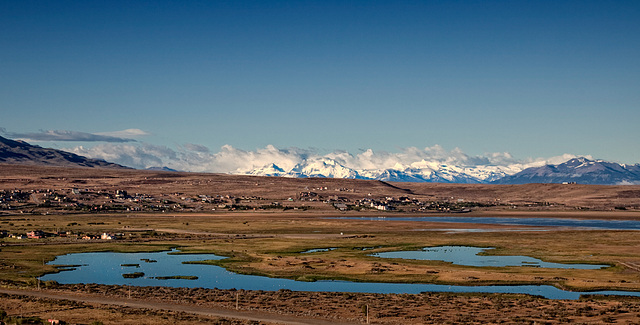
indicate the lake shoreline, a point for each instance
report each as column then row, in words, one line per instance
column 208, row 271
column 383, row 308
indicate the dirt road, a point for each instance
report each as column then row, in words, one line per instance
column 205, row 311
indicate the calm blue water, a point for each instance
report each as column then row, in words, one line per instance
column 542, row 222
column 104, row 268
column 318, row 250
column 465, row 255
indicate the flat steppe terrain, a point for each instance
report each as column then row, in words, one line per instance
column 547, row 196
column 263, row 223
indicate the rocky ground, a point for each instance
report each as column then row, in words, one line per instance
column 309, row 307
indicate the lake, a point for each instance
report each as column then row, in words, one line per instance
column 541, row 222
column 107, row 268
column 318, row 250
column 465, row 255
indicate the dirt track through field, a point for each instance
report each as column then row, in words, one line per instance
column 205, row 311
column 631, row 265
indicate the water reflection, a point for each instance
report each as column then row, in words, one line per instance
column 318, row 250
column 104, row 268
column 465, row 255
column 541, row 222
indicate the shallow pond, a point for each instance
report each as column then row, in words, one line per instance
column 105, row 268
column 465, row 255
column 541, row 222
column 318, row 250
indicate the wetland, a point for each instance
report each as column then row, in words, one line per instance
column 470, row 256
column 102, row 268
column 302, row 250
column 534, row 222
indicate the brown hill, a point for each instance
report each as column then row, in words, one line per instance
column 532, row 196
column 23, row 153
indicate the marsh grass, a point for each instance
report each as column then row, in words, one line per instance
column 278, row 254
column 130, row 265
column 133, row 275
column 174, row 277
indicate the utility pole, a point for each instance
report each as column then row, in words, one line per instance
column 367, row 314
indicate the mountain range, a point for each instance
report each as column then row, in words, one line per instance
column 579, row 170
column 422, row 171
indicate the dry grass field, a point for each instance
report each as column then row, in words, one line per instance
column 277, row 221
column 539, row 196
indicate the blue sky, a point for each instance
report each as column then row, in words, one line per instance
column 532, row 78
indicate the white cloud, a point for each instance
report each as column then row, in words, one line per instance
column 136, row 156
column 196, row 147
column 626, row 182
column 128, row 133
column 198, row 158
column 67, row 135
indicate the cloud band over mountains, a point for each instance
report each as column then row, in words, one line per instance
column 198, row 158
column 66, row 135
column 408, row 164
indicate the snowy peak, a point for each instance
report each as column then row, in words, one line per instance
column 579, row 170
column 422, row 171
column 268, row 170
column 324, row 167
column 577, row 162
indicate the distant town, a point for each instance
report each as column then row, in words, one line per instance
column 75, row 200
column 95, row 201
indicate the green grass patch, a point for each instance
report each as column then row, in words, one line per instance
column 130, row 265
column 181, row 277
column 66, row 266
column 133, row 275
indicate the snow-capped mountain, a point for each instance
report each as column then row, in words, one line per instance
column 422, row 171
column 443, row 169
column 323, row 167
column 435, row 172
column 268, row 170
column 579, row 170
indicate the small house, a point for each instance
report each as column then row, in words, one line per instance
column 35, row 234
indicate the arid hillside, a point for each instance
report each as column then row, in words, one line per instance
column 318, row 191
column 23, row 153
